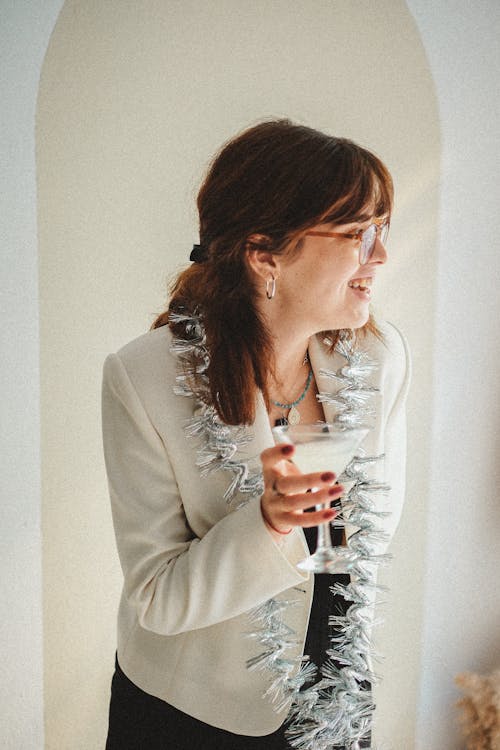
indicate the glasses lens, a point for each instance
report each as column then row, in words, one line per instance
column 367, row 244
column 384, row 232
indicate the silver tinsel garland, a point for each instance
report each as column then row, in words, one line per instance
column 331, row 710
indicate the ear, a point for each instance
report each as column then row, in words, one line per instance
column 260, row 259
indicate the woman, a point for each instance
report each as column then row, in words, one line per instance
column 214, row 613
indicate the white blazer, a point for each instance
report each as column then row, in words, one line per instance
column 193, row 567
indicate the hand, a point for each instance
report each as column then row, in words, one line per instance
column 287, row 492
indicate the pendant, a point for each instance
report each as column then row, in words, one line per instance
column 293, row 416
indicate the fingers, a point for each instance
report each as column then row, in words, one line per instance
column 299, row 483
column 315, row 518
column 303, row 501
column 289, row 510
column 272, row 457
column 277, row 463
column 288, row 493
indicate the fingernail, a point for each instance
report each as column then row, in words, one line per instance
column 335, row 490
column 287, row 449
column 329, row 514
column 327, row 476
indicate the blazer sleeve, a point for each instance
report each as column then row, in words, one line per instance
column 176, row 581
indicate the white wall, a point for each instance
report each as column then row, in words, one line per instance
column 24, row 33
column 462, row 602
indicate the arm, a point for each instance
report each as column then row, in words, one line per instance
column 176, row 581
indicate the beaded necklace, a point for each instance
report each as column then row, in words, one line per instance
column 293, row 416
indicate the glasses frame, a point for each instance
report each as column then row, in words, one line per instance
column 367, row 245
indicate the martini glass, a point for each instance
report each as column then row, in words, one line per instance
column 322, row 447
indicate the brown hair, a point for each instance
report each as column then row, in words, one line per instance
column 276, row 179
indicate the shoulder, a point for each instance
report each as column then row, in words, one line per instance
column 150, row 346
column 146, row 360
column 391, row 350
column 392, row 355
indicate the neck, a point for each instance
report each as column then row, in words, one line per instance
column 290, row 342
column 289, row 360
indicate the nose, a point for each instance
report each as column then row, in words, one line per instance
column 379, row 252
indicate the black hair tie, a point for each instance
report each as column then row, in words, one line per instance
column 198, row 254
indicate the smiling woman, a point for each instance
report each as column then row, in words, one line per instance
column 270, row 323
column 265, row 192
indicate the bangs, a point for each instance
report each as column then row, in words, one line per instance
column 366, row 191
column 382, row 187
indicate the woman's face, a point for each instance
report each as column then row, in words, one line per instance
column 324, row 283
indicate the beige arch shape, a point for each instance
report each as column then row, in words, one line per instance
column 132, row 102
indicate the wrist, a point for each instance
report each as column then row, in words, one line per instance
column 272, row 527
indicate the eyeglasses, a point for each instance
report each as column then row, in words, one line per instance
column 367, row 238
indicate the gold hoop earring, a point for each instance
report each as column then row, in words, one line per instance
column 270, row 287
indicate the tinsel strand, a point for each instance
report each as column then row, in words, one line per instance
column 333, row 711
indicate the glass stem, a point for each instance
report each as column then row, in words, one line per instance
column 324, row 532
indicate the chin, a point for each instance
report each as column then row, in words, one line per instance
column 356, row 319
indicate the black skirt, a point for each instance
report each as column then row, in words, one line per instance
column 139, row 721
